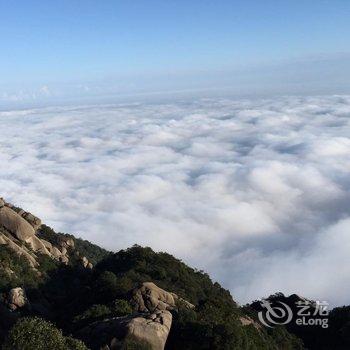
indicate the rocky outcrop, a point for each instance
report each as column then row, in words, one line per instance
column 33, row 220
column 147, row 328
column 14, row 223
column 85, row 262
column 247, row 321
column 65, row 243
column 18, row 230
column 16, row 298
column 21, row 230
column 152, row 330
column 148, row 331
column 18, row 249
column 149, row 298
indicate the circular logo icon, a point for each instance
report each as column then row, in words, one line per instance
column 279, row 314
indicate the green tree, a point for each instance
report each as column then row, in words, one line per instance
column 106, row 286
column 34, row 334
column 75, row 344
column 95, row 312
column 121, row 308
column 38, row 334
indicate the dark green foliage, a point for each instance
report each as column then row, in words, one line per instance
column 72, row 297
column 75, row 344
column 285, row 340
column 15, row 271
column 106, row 286
column 93, row 252
column 335, row 337
column 38, row 334
column 75, row 297
column 85, row 248
column 139, row 264
column 214, row 324
column 121, row 307
column 47, row 264
column 94, row 313
column 339, row 331
column 47, row 233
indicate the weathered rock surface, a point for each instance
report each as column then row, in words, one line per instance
column 149, row 298
column 33, row 220
column 14, row 223
column 85, row 262
column 16, row 298
column 148, row 330
column 18, row 226
column 18, row 249
column 148, row 327
column 152, row 330
column 246, row 321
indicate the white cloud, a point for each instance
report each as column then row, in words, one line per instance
column 254, row 192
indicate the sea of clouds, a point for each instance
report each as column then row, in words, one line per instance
column 255, row 192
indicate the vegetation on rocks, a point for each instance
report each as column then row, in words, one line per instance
column 38, row 334
column 78, row 296
column 15, row 271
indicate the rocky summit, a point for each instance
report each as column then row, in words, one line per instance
column 20, row 231
column 61, row 292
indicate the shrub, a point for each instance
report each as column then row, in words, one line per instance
column 75, row 344
column 93, row 252
column 34, row 334
column 121, row 308
column 38, row 334
column 46, row 264
column 15, row 271
column 95, row 312
column 106, row 286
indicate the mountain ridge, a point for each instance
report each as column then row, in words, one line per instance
column 89, row 298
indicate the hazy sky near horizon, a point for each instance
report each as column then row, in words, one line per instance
column 86, row 50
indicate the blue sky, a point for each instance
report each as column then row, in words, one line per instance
column 107, row 47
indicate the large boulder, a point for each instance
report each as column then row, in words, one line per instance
column 16, row 298
column 147, row 328
column 152, row 330
column 86, row 263
column 139, row 331
column 33, row 220
column 21, row 229
column 105, row 334
column 66, row 242
column 148, row 297
column 60, row 255
column 14, row 223
column 20, row 251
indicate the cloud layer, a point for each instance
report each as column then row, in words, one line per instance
column 256, row 192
